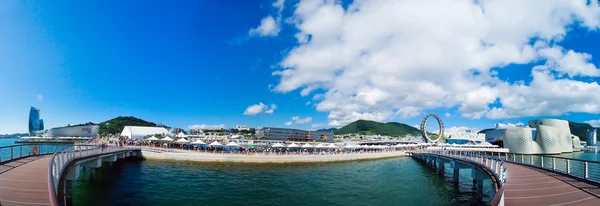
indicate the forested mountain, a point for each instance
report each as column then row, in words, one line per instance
column 367, row 127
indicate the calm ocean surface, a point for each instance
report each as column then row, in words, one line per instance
column 400, row 181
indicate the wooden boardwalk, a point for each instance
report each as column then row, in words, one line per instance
column 531, row 186
column 25, row 181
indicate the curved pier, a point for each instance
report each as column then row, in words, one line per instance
column 27, row 179
column 524, row 179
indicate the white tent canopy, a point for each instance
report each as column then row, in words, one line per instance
column 136, row 132
column 166, row 139
column 232, row 144
column 215, row 143
column 320, row 145
column 306, row 145
column 278, row 145
column 293, row 145
column 181, row 134
column 198, row 142
column 182, row 140
column 152, row 138
column 380, row 146
column 332, row 146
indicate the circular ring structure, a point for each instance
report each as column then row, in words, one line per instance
column 424, row 128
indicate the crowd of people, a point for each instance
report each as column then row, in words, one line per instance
column 267, row 150
column 163, row 146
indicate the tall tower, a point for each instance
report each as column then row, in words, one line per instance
column 35, row 123
column 591, row 137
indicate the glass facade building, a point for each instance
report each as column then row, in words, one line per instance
column 35, row 123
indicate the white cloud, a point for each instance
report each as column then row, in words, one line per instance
column 307, row 103
column 40, row 97
column 455, row 129
column 279, row 4
column 317, row 125
column 254, row 109
column 594, row 123
column 271, row 109
column 204, row 126
column 299, row 120
column 288, row 123
column 404, row 65
column 269, row 25
column 447, row 115
column 459, row 131
column 259, row 108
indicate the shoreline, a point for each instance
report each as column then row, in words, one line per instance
column 266, row 159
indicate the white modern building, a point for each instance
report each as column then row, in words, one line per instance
column 75, row 131
column 137, row 132
column 242, row 128
column 463, row 136
column 544, row 136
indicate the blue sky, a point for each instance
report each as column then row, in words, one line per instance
column 200, row 62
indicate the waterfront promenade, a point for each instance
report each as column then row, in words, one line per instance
column 187, row 155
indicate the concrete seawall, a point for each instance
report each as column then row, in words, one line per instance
column 274, row 159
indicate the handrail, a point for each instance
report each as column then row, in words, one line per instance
column 539, row 155
column 12, row 152
column 587, row 170
column 494, row 167
column 62, row 159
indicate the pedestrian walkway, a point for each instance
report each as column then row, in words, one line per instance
column 531, row 186
column 25, row 181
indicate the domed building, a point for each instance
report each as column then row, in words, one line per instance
column 544, row 136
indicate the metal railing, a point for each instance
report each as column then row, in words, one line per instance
column 584, row 169
column 8, row 153
column 64, row 156
column 492, row 163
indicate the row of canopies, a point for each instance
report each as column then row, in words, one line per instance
column 449, row 145
column 306, row 145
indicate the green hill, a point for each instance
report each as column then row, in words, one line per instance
column 333, row 129
column 580, row 130
column 367, row 127
column 116, row 125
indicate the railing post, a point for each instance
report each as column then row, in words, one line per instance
column 20, row 151
column 568, row 166
column 585, row 170
column 11, row 153
column 542, row 161
column 553, row 164
column 531, row 159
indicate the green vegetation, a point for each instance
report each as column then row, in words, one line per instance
column 84, row 124
column 14, row 135
column 333, row 129
column 116, row 125
column 580, row 130
column 366, row 127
